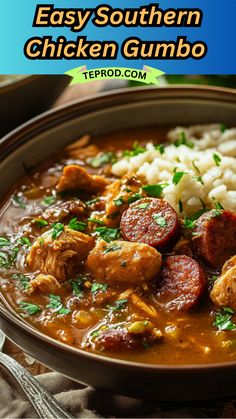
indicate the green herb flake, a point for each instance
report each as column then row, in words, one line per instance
column 77, row 287
column 195, row 167
column 49, row 200
column 102, row 159
column 24, row 241
column 57, row 230
column 154, row 190
column 23, row 279
column 118, row 305
column 108, row 234
column 137, row 149
column 144, row 205
column 95, row 221
column 95, row 333
column 199, row 179
column 41, row 241
column 223, row 128
column 159, row 220
column 217, row 204
column 135, row 197
column 5, row 261
column 92, row 202
column 77, row 225
column 223, row 319
column 182, row 140
column 160, row 148
column 177, row 177
column 118, row 202
column 98, row 287
column 216, row 158
column 180, row 204
column 4, row 242
column 212, row 279
column 40, row 222
column 189, row 223
column 29, row 308
column 111, row 248
column 18, row 202
column 56, row 304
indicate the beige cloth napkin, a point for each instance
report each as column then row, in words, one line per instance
column 85, row 402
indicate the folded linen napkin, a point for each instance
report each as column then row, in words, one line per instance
column 85, row 402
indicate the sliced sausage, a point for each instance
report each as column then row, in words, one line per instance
column 182, row 283
column 121, row 261
column 150, row 220
column 214, row 237
column 121, row 339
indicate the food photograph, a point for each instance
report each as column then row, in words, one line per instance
column 118, row 252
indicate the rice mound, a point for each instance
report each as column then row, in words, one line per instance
column 205, row 178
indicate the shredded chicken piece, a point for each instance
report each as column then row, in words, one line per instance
column 44, row 283
column 59, row 257
column 223, row 293
column 141, row 305
column 121, row 262
column 75, row 177
column 117, row 197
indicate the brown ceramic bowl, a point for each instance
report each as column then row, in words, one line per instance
column 42, row 136
column 24, row 97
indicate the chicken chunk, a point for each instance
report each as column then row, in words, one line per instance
column 44, row 283
column 61, row 256
column 121, row 262
column 119, row 195
column 223, row 293
column 75, row 177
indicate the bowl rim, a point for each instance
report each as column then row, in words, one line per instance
column 78, row 107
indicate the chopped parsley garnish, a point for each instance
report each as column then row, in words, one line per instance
column 77, row 286
column 189, row 223
column 177, row 177
column 55, row 303
column 217, row 204
column 160, row 148
column 18, row 201
column 144, row 205
column 40, row 222
column 98, row 287
column 101, row 159
column 49, row 200
column 223, row 319
column 95, row 333
column 199, row 179
column 41, row 241
column 118, row 202
column 137, row 149
column 29, row 308
column 96, row 221
column 77, row 225
column 108, row 234
column 154, row 190
column 212, row 279
column 57, row 230
column 5, row 261
column 135, row 197
column 216, row 158
column 24, row 280
column 111, row 248
column 159, row 220
column 24, row 241
column 92, row 201
column 4, row 242
column 182, row 140
column 180, row 203
column 118, row 305
column 222, row 128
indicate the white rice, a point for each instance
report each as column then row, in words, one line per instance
column 204, row 181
